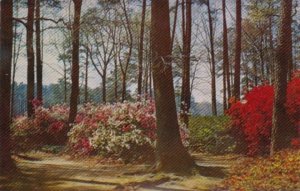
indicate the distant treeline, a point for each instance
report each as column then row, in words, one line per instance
column 55, row 94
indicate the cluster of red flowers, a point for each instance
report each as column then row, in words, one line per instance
column 251, row 118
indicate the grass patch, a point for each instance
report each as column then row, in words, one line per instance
column 211, row 134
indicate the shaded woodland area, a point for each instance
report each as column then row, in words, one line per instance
column 123, row 82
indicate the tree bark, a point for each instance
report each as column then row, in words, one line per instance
column 65, row 81
column 30, row 58
column 86, row 93
column 16, row 52
column 116, row 80
column 141, row 49
column 124, row 69
column 39, row 62
column 281, row 129
column 146, row 72
column 174, row 24
column 150, row 82
column 271, row 44
column 238, row 47
column 255, row 74
column 123, row 87
column 104, row 86
column 226, row 72
column 290, row 58
column 213, row 64
column 262, row 60
column 171, row 154
column 187, row 32
column 6, row 44
column 75, row 61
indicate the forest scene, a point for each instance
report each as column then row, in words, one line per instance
column 150, row 95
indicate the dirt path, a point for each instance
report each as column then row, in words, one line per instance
column 45, row 172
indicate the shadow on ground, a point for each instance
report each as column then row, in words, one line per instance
column 40, row 171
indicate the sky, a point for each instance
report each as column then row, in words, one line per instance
column 53, row 69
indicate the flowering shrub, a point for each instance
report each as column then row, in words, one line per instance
column 123, row 130
column 23, row 133
column 251, row 118
column 293, row 100
column 45, row 128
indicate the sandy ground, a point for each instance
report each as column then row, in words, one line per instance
column 49, row 172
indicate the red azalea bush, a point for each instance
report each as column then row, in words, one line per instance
column 251, row 118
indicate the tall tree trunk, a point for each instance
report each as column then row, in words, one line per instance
column 213, row 64
column 226, row 72
column 174, row 24
column 39, row 62
column 104, row 86
column 116, row 81
column 262, row 60
column 271, row 44
column 86, row 93
column 150, row 81
column 16, row 52
column 6, row 44
column 246, row 72
column 186, row 88
column 290, row 59
column 75, row 61
column 141, row 50
column 281, row 130
column 255, row 74
column 171, row 154
column 225, row 105
column 238, row 47
column 183, row 94
column 130, row 44
column 30, row 58
column 123, row 87
column 65, row 81
column 146, row 73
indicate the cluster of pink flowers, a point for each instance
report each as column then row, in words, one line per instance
column 45, row 128
column 110, row 128
column 113, row 129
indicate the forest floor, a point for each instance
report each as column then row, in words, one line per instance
column 43, row 172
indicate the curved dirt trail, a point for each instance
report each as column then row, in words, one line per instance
column 48, row 172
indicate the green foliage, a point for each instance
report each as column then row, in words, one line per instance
column 210, row 134
column 55, row 149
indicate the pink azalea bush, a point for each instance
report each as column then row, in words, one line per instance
column 123, row 130
column 46, row 127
